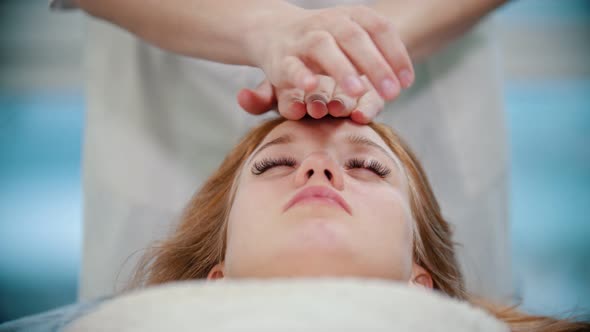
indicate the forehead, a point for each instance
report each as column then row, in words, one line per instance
column 323, row 130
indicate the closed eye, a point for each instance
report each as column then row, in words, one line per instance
column 265, row 164
column 373, row 165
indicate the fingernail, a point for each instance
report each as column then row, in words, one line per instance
column 336, row 107
column 297, row 109
column 317, row 109
column 297, row 105
column 353, row 84
column 318, row 105
column 405, row 77
column 389, row 88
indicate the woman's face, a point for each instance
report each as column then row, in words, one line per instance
column 320, row 198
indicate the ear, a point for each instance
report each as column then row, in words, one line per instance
column 216, row 272
column 420, row 277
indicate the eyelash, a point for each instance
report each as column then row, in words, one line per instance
column 263, row 165
column 376, row 167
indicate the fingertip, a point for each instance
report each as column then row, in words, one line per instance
column 251, row 103
column 295, row 111
column 244, row 99
column 359, row 117
column 406, row 78
column 336, row 108
column 389, row 88
column 317, row 109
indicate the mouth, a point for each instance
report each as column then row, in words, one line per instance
column 319, row 194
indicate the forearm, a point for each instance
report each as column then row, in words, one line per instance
column 427, row 26
column 210, row 29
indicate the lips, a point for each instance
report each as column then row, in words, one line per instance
column 320, row 192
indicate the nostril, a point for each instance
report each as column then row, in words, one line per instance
column 328, row 174
column 309, row 173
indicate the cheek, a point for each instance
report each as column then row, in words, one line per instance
column 255, row 206
column 245, row 213
column 387, row 224
column 385, row 206
column 256, row 201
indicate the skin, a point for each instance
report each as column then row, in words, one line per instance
column 293, row 45
column 327, row 99
column 424, row 28
column 318, row 238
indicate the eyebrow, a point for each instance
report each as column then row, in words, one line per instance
column 351, row 139
column 284, row 139
column 364, row 141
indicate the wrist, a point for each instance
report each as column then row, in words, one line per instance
column 259, row 27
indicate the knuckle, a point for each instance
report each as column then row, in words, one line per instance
column 290, row 67
column 350, row 33
column 399, row 56
column 372, row 109
column 374, row 101
column 380, row 25
column 317, row 96
column 327, row 80
column 289, row 95
column 296, row 96
column 318, row 38
column 346, row 101
column 377, row 70
column 366, row 81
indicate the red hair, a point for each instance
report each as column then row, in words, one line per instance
column 199, row 241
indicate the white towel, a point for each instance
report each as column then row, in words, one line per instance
column 287, row 305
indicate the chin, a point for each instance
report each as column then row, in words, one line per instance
column 327, row 236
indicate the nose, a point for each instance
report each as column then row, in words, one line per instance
column 319, row 168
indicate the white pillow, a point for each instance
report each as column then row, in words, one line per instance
column 287, row 305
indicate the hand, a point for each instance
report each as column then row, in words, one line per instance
column 326, row 98
column 342, row 42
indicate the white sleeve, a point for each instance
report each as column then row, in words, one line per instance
column 62, row 4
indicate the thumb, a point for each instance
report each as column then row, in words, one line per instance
column 259, row 100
